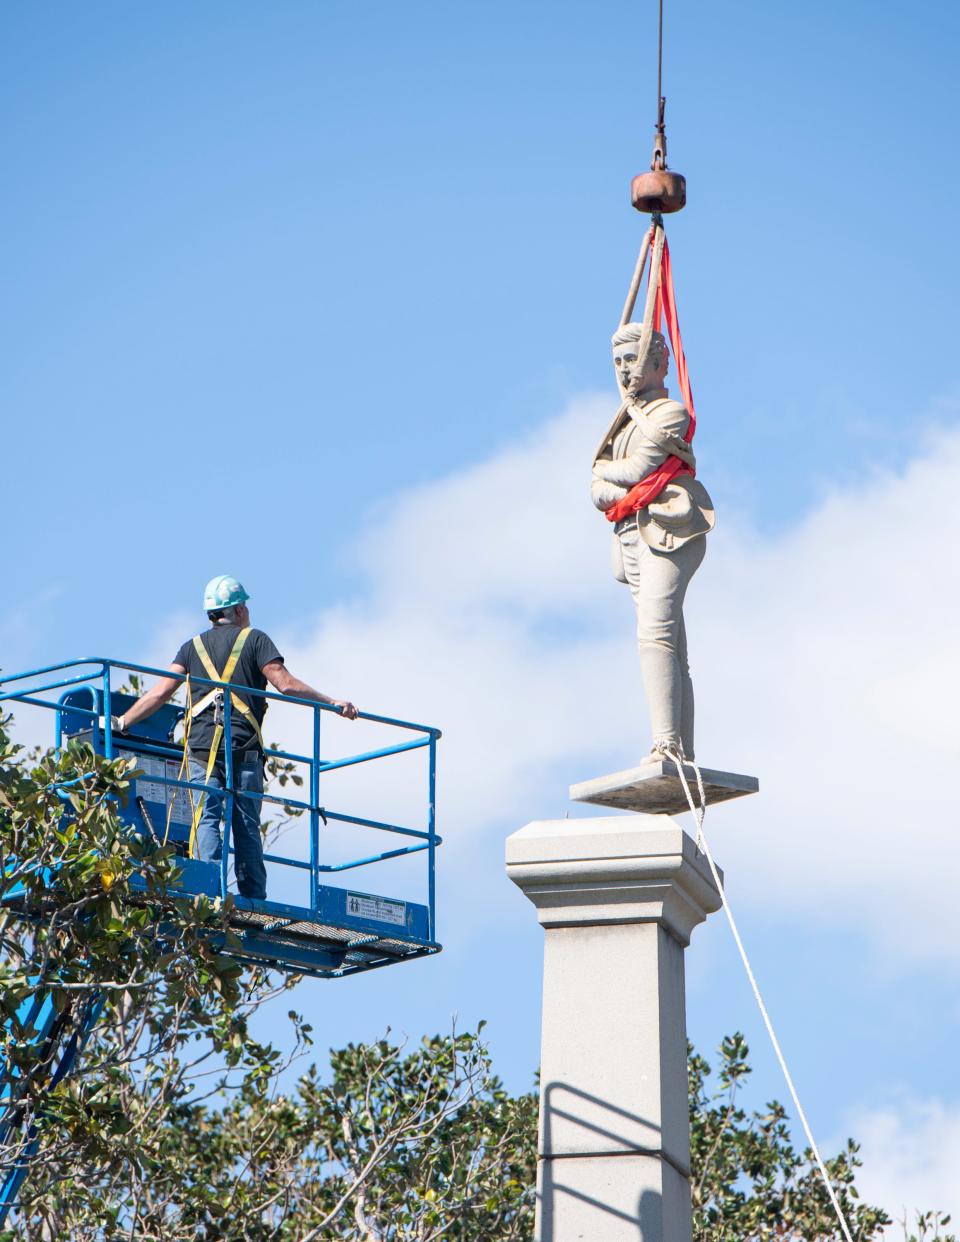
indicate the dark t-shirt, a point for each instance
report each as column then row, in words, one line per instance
column 258, row 650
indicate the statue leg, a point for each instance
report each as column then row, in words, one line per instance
column 658, row 582
column 686, row 694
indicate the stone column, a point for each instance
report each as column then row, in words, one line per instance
column 618, row 898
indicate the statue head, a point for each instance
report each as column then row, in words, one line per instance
column 636, row 373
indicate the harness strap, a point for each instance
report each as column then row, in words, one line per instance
column 224, row 678
column 230, row 667
column 198, row 809
column 201, row 705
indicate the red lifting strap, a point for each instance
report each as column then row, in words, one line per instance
column 650, row 487
column 666, row 304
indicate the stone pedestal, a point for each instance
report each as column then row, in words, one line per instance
column 618, row 898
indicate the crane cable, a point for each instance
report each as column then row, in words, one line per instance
column 660, row 138
column 660, row 62
column 659, row 161
column 703, row 847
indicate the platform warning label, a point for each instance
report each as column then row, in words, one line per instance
column 378, row 909
column 157, row 790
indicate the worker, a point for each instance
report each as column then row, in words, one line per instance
column 231, row 652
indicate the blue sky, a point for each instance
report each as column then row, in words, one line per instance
column 320, row 294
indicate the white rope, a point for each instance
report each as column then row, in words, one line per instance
column 703, row 847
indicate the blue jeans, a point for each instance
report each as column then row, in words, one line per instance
column 247, row 842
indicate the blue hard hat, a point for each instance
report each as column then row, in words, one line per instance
column 223, row 592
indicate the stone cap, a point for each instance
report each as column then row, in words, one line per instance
column 613, row 869
column 656, row 789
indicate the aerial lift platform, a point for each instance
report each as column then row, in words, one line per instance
column 340, row 931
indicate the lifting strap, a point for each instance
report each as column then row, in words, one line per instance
column 664, row 307
column 208, row 700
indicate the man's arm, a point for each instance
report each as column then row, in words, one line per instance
column 152, row 701
column 280, row 677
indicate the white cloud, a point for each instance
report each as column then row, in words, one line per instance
column 485, row 616
column 829, row 660
column 824, row 659
column 911, row 1156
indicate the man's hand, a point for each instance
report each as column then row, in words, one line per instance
column 150, row 702
column 345, row 708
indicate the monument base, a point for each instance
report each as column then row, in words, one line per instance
column 618, row 897
column 656, row 789
column 611, row 1199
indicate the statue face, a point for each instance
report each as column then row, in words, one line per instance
column 625, row 359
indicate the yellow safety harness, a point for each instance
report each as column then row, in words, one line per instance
column 209, row 700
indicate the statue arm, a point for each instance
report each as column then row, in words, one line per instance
column 626, row 471
column 603, row 494
column 645, row 457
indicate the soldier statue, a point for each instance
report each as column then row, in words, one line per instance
column 658, row 539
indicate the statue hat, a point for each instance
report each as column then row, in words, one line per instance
column 682, row 511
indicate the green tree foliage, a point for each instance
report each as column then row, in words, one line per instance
column 928, row 1226
column 173, row 1126
column 397, row 1144
column 180, row 1125
column 749, row 1182
column 89, row 918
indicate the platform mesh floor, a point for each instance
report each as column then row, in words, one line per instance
column 323, row 933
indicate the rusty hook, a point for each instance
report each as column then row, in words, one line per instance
column 659, row 159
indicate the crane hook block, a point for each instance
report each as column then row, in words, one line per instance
column 659, row 191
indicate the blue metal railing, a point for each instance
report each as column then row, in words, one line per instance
column 98, row 680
